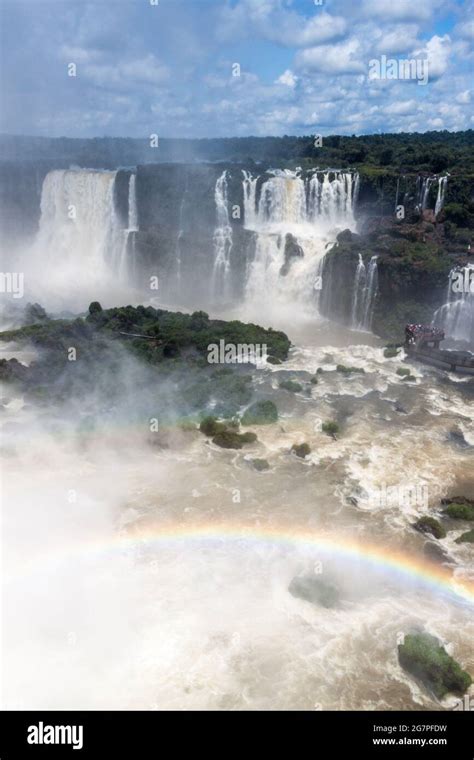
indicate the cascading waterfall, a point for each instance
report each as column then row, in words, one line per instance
column 132, row 204
column 291, row 214
column 222, row 240
column 365, row 291
column 442, row 185
column 456, row 316
column 179, row 238
column 423, row 192
column 125, row 266
column 81, row 246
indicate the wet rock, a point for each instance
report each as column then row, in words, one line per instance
column 290, row 385
column 228, row 439
column 403, row 372
column 314, row 590
column 301, row 450
column 349, row 370
column 12, row 370
column 456, row 437
column 260, row 464
column 390, row 352
column 292, row 251
column 400, row 409
column 430, row 525
column 435, row 552
column 466, row 538
column 423, row 657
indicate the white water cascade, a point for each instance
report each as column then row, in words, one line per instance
column 442, row 185
column 292, row 212
column 423, row 192
column 222, row 239
column 456, row 316
column 365, row 291
column 81, row 248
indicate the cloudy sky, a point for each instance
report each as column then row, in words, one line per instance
column 169, row 68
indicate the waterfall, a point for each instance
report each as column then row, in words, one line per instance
column 132, row 204
column 364, row 293
column 359, row 284
column 424, row 185
column 442, row 185
column 222, row 240
column 81, row 245
column 456, row 316
column 293, row 218
column 250, row 193
column 179, row 238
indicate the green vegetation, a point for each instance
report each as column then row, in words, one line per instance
column 314, row 380
column 228, row 439
column 330, row 428
column 466, row 538
column 349, row 370
column 301, row 450
column 159, row 356
column 380, row 155
column 260, row 413
column 390, row 352
column 290, row 385
column 209, row 426
column 425, row 659
column 403, row 372
column 260, row 465
column 430, row 525
column 460, row 511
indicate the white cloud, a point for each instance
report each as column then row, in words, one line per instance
column 463, row 97
column 287, row 78
column 333, row 59
column 437, row 51
column 125, row 74
column 399, row 10
column 398, row 39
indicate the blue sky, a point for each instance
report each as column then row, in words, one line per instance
column 168, row 68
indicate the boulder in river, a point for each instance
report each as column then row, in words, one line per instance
column 459, row 508
column 301, row 450
column 466, row 538
column 315, row 590
column 426, row 659
column 427, row 524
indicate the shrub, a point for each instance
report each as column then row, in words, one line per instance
column 424, row 657
column 330, row 428
column 460, row 511
column 428, row 524
column 290, row 385
column 260, row 413
column 301, row 450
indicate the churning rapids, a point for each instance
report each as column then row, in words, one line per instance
column 148, row 578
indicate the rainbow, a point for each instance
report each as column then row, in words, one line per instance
column 384, row 560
